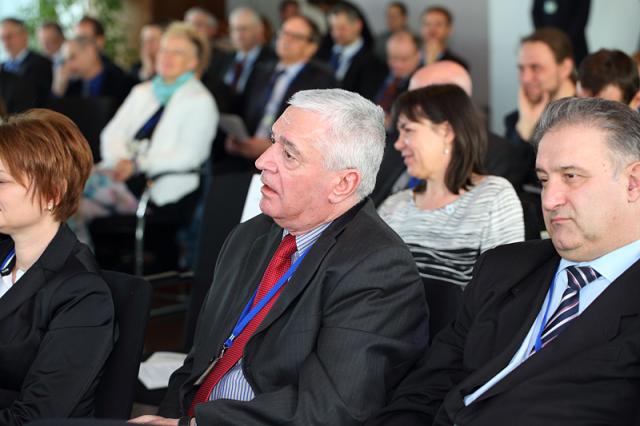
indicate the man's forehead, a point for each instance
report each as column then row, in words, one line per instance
column 298, row 124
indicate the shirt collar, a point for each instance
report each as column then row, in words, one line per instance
column 249, row 56
column 612, row 264
column 350, row 49
column 20, row 57
column 303, row 241
column 291, row 69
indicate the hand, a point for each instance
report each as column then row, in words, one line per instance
column 154, row 420
column 61, row 78
column 251, row 148
column 529, row 113
column 123, row 170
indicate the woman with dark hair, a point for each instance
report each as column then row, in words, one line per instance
column 56, row 311
column 456, row 212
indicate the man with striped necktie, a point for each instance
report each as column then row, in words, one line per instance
column 549, row 331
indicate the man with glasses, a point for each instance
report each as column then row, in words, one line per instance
column 276, row 82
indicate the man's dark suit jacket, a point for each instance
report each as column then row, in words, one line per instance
column 56, row 332
column 116, row 84
column 17, row 92
column 38, row 72
column 347, row 326
column 365, row 74
column 589, row 375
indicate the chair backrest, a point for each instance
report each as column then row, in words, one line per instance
column 224, row 201
column 132, row 301
column 444, row 300
column 91, row 115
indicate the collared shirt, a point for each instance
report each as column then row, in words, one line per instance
column 346, row 55
column 280, row 87
column 13, row 64
column 93, row 87
column 249, row 59
column 610, row 266
column 234, row 385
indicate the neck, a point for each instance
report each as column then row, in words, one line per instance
column 566, row 89
column 30, row 244
column 436, row 195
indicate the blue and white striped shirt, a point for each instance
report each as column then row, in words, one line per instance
column 234, row 385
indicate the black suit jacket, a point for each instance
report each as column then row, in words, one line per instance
column 589, row 375
column 56, row 332
column 116, row 84
column 37, row 71
column 345, row 329
column 365, row 74
column 17, row 92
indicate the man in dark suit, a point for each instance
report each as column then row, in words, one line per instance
column 296, row 44
column 35, row 69
column 436, row 28
column 548, row 332
column 352, row 317
column 355, row 66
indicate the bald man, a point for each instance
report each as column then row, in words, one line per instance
column 503, row 159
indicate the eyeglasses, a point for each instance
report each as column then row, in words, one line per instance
column 294, row 36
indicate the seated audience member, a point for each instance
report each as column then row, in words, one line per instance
column 85, row 73
column 294, row 71
column 327, row 346
column 355, row 66
column 145, row 68
column 403, row 58
column 436, row 28
column 545, row 71
column 165, row 125
column 50, row 39
column 609, row 74
column 549, row 329
column 18, row 93
column 56, row 311
column 457, row 212
column 288, row 9
column 92, row 28
column 205, row 24
column 31, row 67
column 397, row 19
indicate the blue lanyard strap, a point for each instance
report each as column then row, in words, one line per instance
column 249, row 313
column 4, row 269
column 538, row 342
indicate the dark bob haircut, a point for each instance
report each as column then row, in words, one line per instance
column 449, row 103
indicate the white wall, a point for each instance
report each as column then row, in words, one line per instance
column 612, row 24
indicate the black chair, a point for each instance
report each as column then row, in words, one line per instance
column 444, row 300
column 132, row 301
column 91, row 115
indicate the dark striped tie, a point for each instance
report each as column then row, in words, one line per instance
column 569, row 308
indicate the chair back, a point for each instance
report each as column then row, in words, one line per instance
column 131, row 301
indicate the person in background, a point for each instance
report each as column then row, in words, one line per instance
column 457, row 212
column 50, row 39
column 397, row 19
column 57, row 321
column 436, row 29
column 90, row 27
column 609, row 74
column 287, row 9
column 34, row 69
column 145, row 68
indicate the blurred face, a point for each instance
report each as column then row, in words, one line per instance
column 296, row 185
column 14, row 39
column 176, row 56
column 290, row 10
column 608, row 92
column 80, row 61
column 85, row 29
column 425, row 147
column 395, row 19
column 18, row 211
column 294, row 42
column 202, row 24
column 435, row 27
column 539, row 72
column 585, row 202
column 150, row 41
column 50, row 41
column 245, row 31
column 343, row 30
column 403, row 57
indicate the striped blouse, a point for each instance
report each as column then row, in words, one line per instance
column 446, row 242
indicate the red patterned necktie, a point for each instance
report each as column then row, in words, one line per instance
column 389, row 95
column 238, row 67
column 280, row 263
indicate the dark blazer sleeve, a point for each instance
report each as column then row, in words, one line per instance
column 75, row 343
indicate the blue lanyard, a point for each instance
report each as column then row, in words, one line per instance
column 4, row 269
column 248, row 313
column 538, row 342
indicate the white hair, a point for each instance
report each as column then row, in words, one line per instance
column 356, row 137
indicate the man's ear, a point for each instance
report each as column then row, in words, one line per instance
column 633, row 189
column 345, row 185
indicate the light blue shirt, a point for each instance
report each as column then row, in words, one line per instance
column 280, row 87
column 234, row 385
column 249, row 59
column 346, row 55
column 610, row 266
